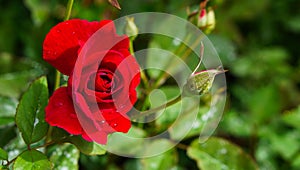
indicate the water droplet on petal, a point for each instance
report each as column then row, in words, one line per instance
column 115, row 124
column 58, row 30
column 73, row 32
column 102, row 121
column 59, row 104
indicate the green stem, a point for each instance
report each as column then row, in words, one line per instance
column 163, row 77
column 148, row 112
column 67, row 17
column 143, row 75
column 69, row 10
column 57, row 80
column 57, row 73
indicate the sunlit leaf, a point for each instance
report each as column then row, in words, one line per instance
column 287, row 145
column 219, row 154
column 292, row 118
column 128, row 140
column 162, row 161
column 296, row 161
column 32, row 159
column 3, row 154
column 65, row 157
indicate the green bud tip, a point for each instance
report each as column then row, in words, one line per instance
column 130, row 28
column 201, row 82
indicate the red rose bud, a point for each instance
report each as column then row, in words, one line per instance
column 203, row 19
column 201, row 82
column 130, row 28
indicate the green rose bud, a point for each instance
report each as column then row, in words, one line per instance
column 201, row 82
column 211, row 21
column 130, row 28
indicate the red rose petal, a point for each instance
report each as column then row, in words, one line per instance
column 60, row 112
column 62, row 43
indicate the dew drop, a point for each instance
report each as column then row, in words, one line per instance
column 59, row 104
column 73, row 32
column 115, row 124
column 102, row 121
column 58, row 30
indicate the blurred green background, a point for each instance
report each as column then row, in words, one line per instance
column 258, row 42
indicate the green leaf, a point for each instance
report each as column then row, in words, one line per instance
column 8, row 106
column 236, row 124
column 3, row 167
column 287, row 145
column 166, row 160
column 219, row 154
column 3, row 154
column 296, row 161
column 292, row 118
column 8, row 109
column 65, row 157
column 32, row 160
column 134, row 137
column 262, row 111
column 30, row 116
column 7, row 133
column 16, row 82
column 39, row 10
column 6, row 120
column 188, row 120
column 88, row 148
column 133, row 164
column 58, row 134
column 195, row 119
column 294, row 23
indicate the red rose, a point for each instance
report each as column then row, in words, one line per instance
column 102, row 82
